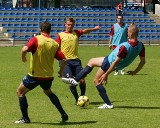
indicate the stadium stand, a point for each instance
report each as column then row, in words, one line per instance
column 20, row 24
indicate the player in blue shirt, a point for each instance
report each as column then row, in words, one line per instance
column 118, row 35
column 122, row 56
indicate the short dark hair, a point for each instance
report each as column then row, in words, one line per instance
column 45, row 27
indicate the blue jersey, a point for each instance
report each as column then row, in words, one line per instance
column 120, row 34
column 132, row 53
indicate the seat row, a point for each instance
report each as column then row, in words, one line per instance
column 68, row 9
column 83, row 25
column 77, row 20
column 48, row 14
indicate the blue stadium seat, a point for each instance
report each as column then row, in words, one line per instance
column 22, row 37
column 5, row 19
column 78, row 14
column 78, row 25
column 10, row 25
column 153, row 31
column 30, row 19
column 27, row 37
column 84, row 15
column 102, row 20
column 29, row 25
column 31, row 14
column 142, row 31
column 17, row 19
column 10, row 31
column 157, row 25
column 28, row 31
column 22, row 30
column 11, row 20
column 15, row 37
column 95, row 20
column 23, row 25
column 16, row 31
column 24, row 19
column 35, row 25
column 147, row 31
column 107, row 31
column 17, row 25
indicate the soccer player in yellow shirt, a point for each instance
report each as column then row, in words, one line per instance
column 43, row 52
column 68, row 41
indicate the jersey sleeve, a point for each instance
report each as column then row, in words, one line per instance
column 112, row 31
column 59, row 55
column 58, row 39
column 79, row 33
column 32, row 44
column 122, row 52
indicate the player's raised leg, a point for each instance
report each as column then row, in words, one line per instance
column 94, row 62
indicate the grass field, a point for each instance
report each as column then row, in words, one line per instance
column 136, row 99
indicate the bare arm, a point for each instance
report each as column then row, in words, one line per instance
column 104, row 77
column 139, row 67
column 110, row 42
column 88, row 30
column 24, row 53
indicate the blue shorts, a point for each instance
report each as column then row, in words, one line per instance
column 32, row 82
column 72, row 68
column 105, row 64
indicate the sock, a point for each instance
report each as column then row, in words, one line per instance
column 103, row 94
column 54, row 99
column 83, row 73
column 23, row 106
column 82, row 88
column 74, row 92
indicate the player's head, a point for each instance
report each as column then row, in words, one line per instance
column 45, row 27
column 119, row 19
column 133, row 31
column 69, row 24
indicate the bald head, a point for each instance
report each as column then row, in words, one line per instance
column 133, row 30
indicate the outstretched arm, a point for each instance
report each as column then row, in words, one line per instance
column 139, row 67
column 88, row 30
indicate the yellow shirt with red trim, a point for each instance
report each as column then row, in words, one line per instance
column 69, row 43
column 43, row 50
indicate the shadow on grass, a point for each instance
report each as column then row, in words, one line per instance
column 96, row 103
column 136, row 107
column 67, row 123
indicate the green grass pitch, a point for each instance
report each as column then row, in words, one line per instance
column 136, row 99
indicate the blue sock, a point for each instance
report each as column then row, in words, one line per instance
column 74, row 92
column 54, row 99
column 103, row 94
column 83, row 73
column 23, row 106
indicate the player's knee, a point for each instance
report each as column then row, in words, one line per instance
column 96, row 81
column 90, row 63
column 82, row 82
column 20, row 93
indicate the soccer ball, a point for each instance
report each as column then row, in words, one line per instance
column 83, row 101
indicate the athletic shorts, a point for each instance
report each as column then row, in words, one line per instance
column 32, row 82
column 72, row 68
column 105, row 64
